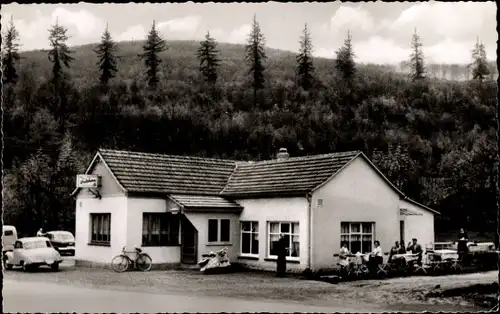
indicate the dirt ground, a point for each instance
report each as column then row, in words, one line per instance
column 416, row 293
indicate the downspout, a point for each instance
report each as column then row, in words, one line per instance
column 309, row 221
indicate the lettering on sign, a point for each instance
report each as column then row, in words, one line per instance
column 88, row 181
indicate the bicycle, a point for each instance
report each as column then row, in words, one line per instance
column 122, row 262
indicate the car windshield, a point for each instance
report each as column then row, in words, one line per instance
column 63, row 237
column 36, row 245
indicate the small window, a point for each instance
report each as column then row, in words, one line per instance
column 224, row 230
column 8, row 233
column 320, row 202
column 100, row 228
column 160, row 229
column 249, row 237
column 359, row 237
column 290, row 231
column 213, row 230
column 18, row 245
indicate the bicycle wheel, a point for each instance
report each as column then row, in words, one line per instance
column 144, row 262
column 120, row 263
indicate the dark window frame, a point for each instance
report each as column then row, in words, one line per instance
column 353, row 236
column 103, row 234
column 252, row 232
column 216, row 233
column 225, row 235
column 211, row 232
column 292, row 253
column 167, row 232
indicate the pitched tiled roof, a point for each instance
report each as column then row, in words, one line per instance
column 142, row 172
column 197, row 201
column 290, row 176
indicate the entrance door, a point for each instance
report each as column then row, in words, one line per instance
column 402, row 232
column 189, row 242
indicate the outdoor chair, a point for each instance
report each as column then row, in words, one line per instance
column 420, row 268
column 434, row 264
column 344, row 270
column 386, row 268
column 455, row 265
column 417, row 267
column 360, row 269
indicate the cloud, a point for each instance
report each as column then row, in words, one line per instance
column 439, row 20
column 136, row 32
column 187, row 25
column 217, row 33
column 86, row 24
column 448, row 32
column 380, row 50
column 33, row 33
column 239, row 35
column 351, row 18
column 324, row 53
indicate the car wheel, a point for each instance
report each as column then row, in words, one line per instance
column 55, row 266
column 24, row 266
column 6, row 264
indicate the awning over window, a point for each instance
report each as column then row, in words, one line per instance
column 200, row 202
column 407, row 212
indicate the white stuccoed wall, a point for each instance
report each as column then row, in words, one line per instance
column 200, row 222
column 113, row 201
column 264, row 210
column 355, row 194
column 420, row 227
column 136, row 207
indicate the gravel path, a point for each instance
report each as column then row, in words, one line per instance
column 386, row 294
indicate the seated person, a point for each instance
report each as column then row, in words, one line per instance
column 396, row 249
column 415, row 248
column 344, row 259
column 402, row 249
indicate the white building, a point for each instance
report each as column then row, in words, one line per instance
column 177, row 208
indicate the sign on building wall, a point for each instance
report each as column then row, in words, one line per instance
column 88, row 181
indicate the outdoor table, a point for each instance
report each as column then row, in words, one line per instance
column 409, row 257
column 446, row 254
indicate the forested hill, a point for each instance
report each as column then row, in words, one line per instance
column 183, row 54
column 435, row 139
column 179, row 63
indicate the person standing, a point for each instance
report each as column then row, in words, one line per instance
column 376, row 257
column 40, row 233
column 462, row 248
column 281, row 261
column 343, row 256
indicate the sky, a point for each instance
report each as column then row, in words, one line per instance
column 381, row 32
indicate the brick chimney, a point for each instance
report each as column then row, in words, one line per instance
column 282, row 154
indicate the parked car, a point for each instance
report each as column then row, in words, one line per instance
column 33, row 252
column 62, row 241
column 9, row 238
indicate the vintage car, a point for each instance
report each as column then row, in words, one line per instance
column 33, row 252
column 62, row 241
column 9, row 238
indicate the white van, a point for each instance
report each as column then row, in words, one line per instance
column 9, row 237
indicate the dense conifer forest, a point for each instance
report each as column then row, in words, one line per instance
column 429, row 128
